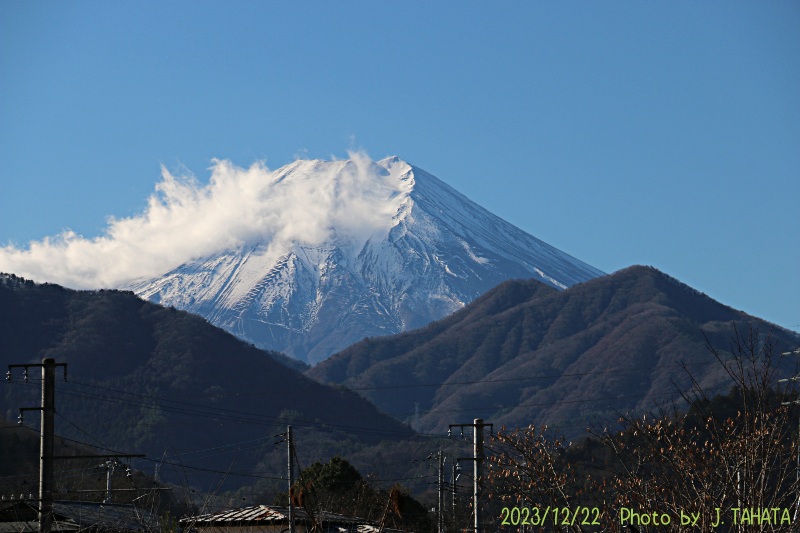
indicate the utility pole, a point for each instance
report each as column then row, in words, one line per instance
column 477, row 438
column 46, row 445
column 477, row 459
column 46, row 457
column 439, row 489
column 441, row 492
column 291, row 477
column 48, row 411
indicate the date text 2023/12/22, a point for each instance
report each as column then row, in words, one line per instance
column 539, row 516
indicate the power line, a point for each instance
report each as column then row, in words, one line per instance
column 35, row 475
column 329, row 389
column 79, row 429
column 251, row 418
column 496, row 407
column 561, row 402
column 224, row 446
column 244, row 417
column 161, row 461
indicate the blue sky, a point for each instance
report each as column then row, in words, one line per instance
column 656, row 133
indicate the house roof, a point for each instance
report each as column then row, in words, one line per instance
column 22, row 516
column 261, row 514
column 266, row 515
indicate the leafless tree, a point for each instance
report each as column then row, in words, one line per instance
column 721, row 464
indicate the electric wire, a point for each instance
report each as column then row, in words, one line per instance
column 121, row 400
column 162, row 461
column 241, row 416
column 251, row 417
column 244, row 417
column 332, row 427
column 538, row 404
column 283, row 478
column 329, row 389
column 562, row 402
column 428, row 411
column 364, row 388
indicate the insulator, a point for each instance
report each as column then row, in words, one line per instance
column 8, row 376
column 128, row 472
column 449, row 432
column 25, row 374
column 20, row 421
column 65, row 373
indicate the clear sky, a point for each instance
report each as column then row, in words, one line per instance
column 656, row 133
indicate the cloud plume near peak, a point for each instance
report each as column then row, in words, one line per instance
column 305, row 201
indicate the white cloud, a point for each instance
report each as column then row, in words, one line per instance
column 186, row 220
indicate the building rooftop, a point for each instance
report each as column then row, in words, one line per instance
column 22, row 516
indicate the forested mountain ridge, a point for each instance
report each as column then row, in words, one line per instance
column 525, row 353
column 149, row 379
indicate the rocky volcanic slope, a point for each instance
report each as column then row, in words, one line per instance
column 431, row 251
column 525, row 352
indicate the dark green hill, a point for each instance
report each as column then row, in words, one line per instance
column 149, row 379
column 525, row 353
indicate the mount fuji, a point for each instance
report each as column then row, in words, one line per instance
column 383, row 247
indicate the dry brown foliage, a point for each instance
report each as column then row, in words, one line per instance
column 706, row 464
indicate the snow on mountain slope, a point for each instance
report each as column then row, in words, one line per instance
column 402, row 249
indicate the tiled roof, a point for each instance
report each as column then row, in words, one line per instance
column 265, row 513
column 33, row 527
column 21, row 516
column 247, row 514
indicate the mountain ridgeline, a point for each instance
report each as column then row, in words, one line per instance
column 149, row 379
column 527, row 353
column 424, row 252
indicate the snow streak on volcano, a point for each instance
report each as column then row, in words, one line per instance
column 354, row 249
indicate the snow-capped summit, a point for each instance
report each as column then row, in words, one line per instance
column 357, row 249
